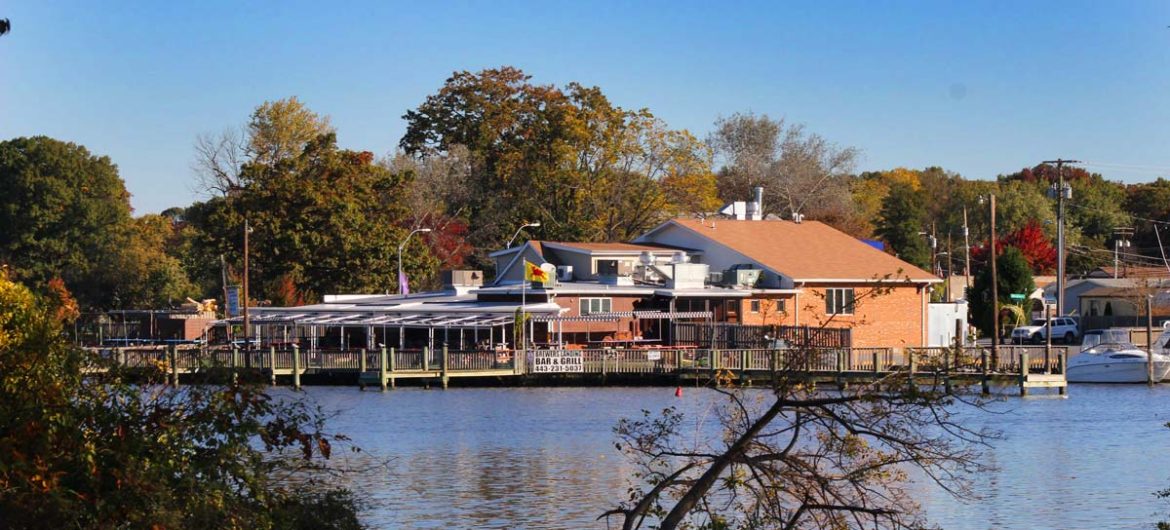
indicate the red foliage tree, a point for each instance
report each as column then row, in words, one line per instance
column 1037, row 249
column 1047, row 173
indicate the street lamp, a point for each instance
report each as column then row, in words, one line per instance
column 400, row 247
column 522, row 227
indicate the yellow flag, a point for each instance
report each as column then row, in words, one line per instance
column 533, row 273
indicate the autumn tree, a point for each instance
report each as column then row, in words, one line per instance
column 567, row 157
column 81, row 447
column 900, row 223
column 801, row 172
column 278, row 131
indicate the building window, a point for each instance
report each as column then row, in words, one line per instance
column 755, row 305
column 839, row 301
column 595, row 305
column 781, row 306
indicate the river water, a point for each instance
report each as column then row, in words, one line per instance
column 545, row 457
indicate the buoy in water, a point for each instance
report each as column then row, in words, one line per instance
column 678, row 392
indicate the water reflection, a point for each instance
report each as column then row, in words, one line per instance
column 544, row 458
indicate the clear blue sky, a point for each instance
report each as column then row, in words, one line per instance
column 980, row 88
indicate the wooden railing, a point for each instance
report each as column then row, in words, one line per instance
column 1040, row 360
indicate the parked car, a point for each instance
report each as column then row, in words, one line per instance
column 1063, row 329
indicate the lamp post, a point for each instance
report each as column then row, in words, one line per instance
column 518, row 230
column 400, row 247
column 247, row 323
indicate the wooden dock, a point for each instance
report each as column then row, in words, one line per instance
column 1024, row 367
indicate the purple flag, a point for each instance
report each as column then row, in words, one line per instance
column 403, row 284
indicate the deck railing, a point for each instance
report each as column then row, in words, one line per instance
column 613, row 361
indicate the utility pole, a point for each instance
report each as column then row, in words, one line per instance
column 1061, row 192
column 967, row 245
column 994, row 291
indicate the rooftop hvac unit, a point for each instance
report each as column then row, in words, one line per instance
column 565, row 273
column 614, row 267
column 741, row 277
column 715, row 278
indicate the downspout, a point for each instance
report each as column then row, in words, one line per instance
column 922, row 327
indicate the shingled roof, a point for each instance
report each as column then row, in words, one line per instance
column 807, row 251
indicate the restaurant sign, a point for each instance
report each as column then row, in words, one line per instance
column 557, row 362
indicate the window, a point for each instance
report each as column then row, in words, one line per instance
column 839, row 301
column 595, row 305
column 755, row 306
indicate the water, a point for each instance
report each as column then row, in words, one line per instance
column 545, row 457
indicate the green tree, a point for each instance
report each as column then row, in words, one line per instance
column 80, row 447
column 1013, row 275
column 328, row 221
column 64, row 213
column 902, row 217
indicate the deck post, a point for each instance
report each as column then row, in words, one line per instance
column 362, row 362
column 947, row 370
column 1024, row 374
column 877, row 362
column 390, row 363
column 296, row 367
column 382, row 368
column 743, row 364
column 426, row 361
column 1063, row 359
column 121, row 357
column 235, row 357
column 911, row 367
column 174, row 355
column 272, row 364
column 985, row 379
column 711, row 359
column 444, row 378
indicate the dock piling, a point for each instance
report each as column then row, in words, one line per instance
column 443, row 377
column 272, row 364
column 382, row 377
column 1024, row 374
column 296, row 367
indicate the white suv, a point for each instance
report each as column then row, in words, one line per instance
column 1063, row 329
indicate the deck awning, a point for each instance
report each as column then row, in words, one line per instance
column 618, row 315
column 351, row 319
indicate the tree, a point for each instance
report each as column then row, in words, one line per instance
column 801, row 172
column 902, row 218
column 278, row 131
column 799, row 456
column 82, row 447
column 330, row 220
column 1149, row 200
column 1034, row 246
column 1013, row 275
column 64, row 213
column 567, row 157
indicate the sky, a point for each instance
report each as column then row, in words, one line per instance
column 979, row 88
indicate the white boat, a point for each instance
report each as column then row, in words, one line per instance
column 1107, row 356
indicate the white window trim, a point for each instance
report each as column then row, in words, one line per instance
column 605, row 305
column 831, row 302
